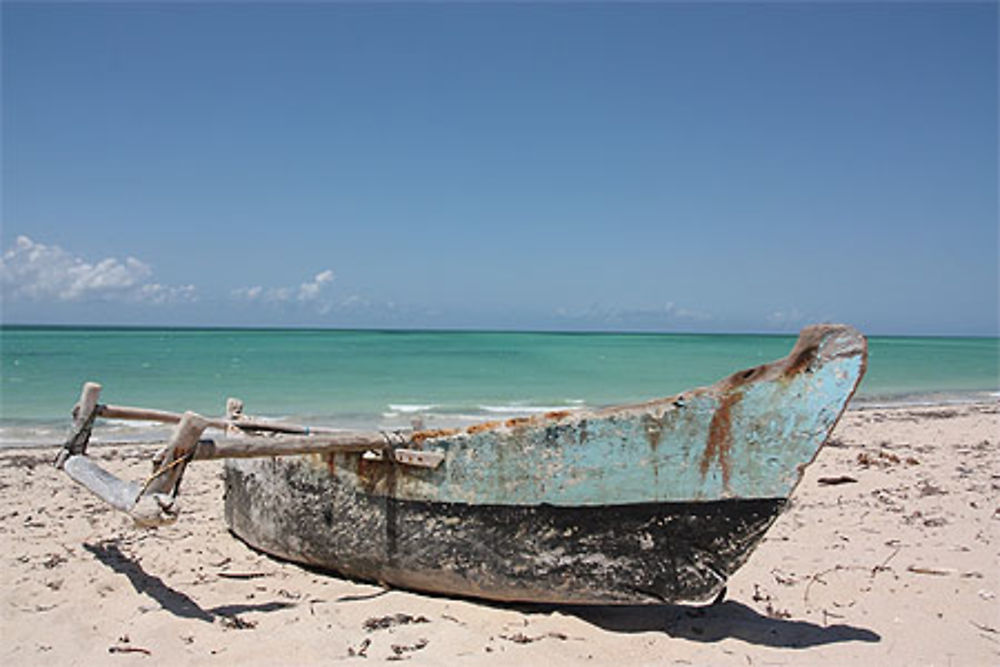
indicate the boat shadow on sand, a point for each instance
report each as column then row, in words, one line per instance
column 700, row 623
column 174, row 601
column 709, row 624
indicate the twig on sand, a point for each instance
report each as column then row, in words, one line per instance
column 129, row 649
column 940, row 572
column 818, row 577
column 242, row 575
column 521, row 638
column 883, row 566
column 833, row 481
column 361, row 651
column 985, row 628
column 988, row 632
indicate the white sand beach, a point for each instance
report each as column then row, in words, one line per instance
column 888, row 555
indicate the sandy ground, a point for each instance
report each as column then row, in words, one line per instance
column 895, row 564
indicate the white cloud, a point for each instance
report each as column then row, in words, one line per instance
column 668, row 311
column 357, row 301
column 666, row 314
column 39, row 272
column 785, row 319
column 157, row 293
column 248, row 293
column 311, row 291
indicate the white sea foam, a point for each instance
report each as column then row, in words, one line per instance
column 131, row 424
column 408, row 408
column 526, row 409
column 921, row 400
column 463, row 418
column 32, row 436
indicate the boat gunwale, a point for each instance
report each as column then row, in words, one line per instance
column 809, row 340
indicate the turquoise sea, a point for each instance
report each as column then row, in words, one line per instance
column 385, row 379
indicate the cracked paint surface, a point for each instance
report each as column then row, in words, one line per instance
column 747, row 436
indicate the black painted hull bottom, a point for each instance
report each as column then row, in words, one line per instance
column 623, row 554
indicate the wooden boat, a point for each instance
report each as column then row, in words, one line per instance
column 656, row 502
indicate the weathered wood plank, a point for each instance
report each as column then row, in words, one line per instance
column 147, row 414
column 118, row 493
column 167, row 417
column 84, row 413
column 89, row 395
column 250, row 447
column 172, row 459
column 147, row 510
column 234, row 414
column 410, row 457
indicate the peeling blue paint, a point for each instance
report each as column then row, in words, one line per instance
column 766, row 429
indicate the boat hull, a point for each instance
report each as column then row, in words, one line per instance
column 656, row 502
column 615, row 554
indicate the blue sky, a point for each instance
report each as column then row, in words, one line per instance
column 667, row 167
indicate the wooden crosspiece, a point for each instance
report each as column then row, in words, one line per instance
column 154, row 502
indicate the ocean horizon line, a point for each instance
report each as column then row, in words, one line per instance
column 461, row 330
column 354, row 378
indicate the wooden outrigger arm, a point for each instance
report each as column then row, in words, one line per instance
column 154, row 502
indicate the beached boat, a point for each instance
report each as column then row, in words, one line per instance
column 656, row 502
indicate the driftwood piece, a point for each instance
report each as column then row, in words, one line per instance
column 239, row 424
column 250, row 447
column 148, row 510
column 87, row 404
column 118, row 493
column 234, row 409
column 147, row 414
column 834, row 481
column 411, row 457
column 154, row 502
column 234, row 413
column 171, row 460
column 84, row 413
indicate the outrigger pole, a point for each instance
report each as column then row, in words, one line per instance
column 154, row 502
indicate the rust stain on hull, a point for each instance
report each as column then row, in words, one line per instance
column 514, row 422
column 431, row 434
column 720, row 437
column 479, row 428
column 371, row 473
column 653, row 428
column 802, row 361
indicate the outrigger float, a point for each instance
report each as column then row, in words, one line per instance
column 655, row 502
